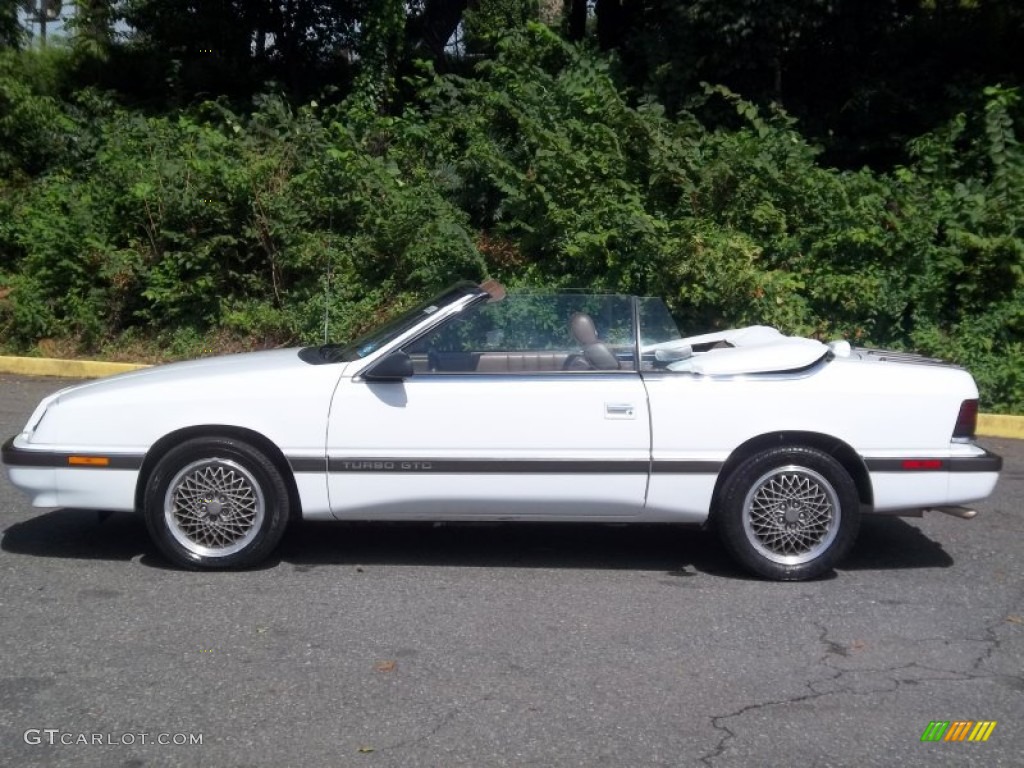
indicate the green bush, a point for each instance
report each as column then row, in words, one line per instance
column 267, row 225
column 217, row 219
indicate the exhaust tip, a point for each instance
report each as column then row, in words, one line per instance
column 962, row 512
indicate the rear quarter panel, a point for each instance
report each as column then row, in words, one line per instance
column 880, row 409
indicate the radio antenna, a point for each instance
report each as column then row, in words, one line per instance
column 327, row 286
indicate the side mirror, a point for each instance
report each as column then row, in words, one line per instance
column 394, row 367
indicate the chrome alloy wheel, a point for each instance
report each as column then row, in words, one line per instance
column 214, row 507
column 791, row 515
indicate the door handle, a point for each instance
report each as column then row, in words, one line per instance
column 619, row 411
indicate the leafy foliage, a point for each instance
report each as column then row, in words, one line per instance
column 216, row 219
column 268, row 223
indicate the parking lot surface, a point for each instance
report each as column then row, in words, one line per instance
column 505, row 645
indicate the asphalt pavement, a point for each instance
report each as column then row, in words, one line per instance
column 505, row 645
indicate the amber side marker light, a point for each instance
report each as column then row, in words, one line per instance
column 88, row 461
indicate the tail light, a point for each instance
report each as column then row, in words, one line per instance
column 966, row 420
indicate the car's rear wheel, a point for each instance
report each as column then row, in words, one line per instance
column 789, row 513
column 216, row 503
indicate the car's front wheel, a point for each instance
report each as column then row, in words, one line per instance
column 216, row 503
column 789, row 513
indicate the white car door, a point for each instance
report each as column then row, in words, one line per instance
column 496, row 422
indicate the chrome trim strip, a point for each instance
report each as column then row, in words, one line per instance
column 788, row 375
column 545, row 375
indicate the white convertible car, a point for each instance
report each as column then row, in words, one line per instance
column 478, row 406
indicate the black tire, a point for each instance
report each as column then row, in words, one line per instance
column 216, row 502
column 789, row 513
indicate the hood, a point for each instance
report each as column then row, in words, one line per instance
column 247, row 365
column 261, row 391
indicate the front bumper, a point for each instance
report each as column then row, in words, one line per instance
column 86, row 480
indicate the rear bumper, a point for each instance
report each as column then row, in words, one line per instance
column 920, row 482
column 984, row 462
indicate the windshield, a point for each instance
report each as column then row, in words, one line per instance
column 379, row 337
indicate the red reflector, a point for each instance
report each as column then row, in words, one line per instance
column 922, row 464
column 966, row 420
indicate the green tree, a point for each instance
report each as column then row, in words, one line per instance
column 11, row 33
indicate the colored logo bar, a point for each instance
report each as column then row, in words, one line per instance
column 958, row 730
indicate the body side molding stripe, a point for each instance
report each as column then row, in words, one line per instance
column 684, row 467
column 502, row 466
column 304, row 464
column 989, row 462
column 488, row 466
column 20, row 457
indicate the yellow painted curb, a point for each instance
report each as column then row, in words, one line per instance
column 997, row 425
column 68, row 369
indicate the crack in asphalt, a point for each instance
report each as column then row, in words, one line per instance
column 443, row 721
column 991, row 637
column 832, row 648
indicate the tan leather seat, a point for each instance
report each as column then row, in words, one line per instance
column 597, row 355
column 520, row 362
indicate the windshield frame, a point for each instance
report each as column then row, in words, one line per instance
column 373, row 341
